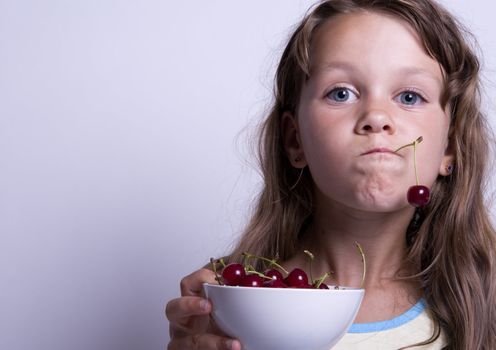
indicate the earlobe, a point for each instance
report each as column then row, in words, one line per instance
column 447, row 166
column 291, row 140
column 448, row 163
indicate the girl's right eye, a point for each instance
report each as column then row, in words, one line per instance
column 341, row 95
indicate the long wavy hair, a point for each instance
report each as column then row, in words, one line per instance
column 451, row 241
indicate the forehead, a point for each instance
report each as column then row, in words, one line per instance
column 369, row 40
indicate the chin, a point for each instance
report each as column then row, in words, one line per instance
column 367, row 197
column 380, row 202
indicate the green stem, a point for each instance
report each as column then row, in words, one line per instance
column 415, row 161
column 222, row 262
column 311, row 256
column 360, row 250
column 418, row 140
column 414, row 144
column 321, row 280
column 213, row 263
column 251, row 270
column 271, row 262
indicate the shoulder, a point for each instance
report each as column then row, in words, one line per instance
column 413, row 326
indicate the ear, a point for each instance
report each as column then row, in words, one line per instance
column 448, row 163
column 291, row 140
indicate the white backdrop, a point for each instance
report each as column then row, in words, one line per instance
column 124, row 158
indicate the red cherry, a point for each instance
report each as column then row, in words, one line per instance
column 323, row 286
column 297, row 278
column 233, row 274
column 274, row 274
column 252, row 280
column 418, row 195
column 274, row 283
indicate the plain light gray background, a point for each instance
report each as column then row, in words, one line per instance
column 124, row 160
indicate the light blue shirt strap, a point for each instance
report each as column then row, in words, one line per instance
column 400, row 320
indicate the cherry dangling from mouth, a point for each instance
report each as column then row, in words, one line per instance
column 417, row 195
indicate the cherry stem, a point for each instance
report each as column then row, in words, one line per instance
column 321, row 280
column 418, row 140
column 360, row 250
column 311, row 256
column 271, row 262
column 415, row 161
column 251, row 270
column 213, row 263
column 414, row 144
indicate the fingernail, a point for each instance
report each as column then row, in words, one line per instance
column 228, row 344
column 204, row 305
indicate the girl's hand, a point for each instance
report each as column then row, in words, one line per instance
column 190, row 326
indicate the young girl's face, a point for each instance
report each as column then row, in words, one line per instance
column 372, row 88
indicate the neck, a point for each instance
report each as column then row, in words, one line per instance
column 332, row 239
column 382, row 236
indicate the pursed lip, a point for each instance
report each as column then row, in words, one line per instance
column 379, row 150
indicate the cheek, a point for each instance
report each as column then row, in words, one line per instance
column 326, row 146
column 429, row 162
column 324, row 151
column 433, row 126
column 325, row 131
column 430, row 155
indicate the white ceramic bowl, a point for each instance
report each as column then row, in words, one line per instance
column 284, row 318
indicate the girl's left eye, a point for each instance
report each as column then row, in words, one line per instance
column 410, row 98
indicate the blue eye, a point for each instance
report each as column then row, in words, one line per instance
column 410, row 98
column 341, row 95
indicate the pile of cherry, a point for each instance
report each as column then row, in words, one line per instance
column 235, row 275
column 275, row 276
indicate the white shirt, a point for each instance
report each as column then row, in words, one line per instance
column 411, row 327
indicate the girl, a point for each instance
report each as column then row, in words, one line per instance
column 358, row 80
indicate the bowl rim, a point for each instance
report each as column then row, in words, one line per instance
column 303, row 290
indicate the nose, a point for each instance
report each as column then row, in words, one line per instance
column 375, row 120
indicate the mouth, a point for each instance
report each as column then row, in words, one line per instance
column 379, row 150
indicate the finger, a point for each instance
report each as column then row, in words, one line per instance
column 204, row 342
column 184, row 307
column 193, row 283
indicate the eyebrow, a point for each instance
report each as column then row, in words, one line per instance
column 339, row 65
column 409, row 71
